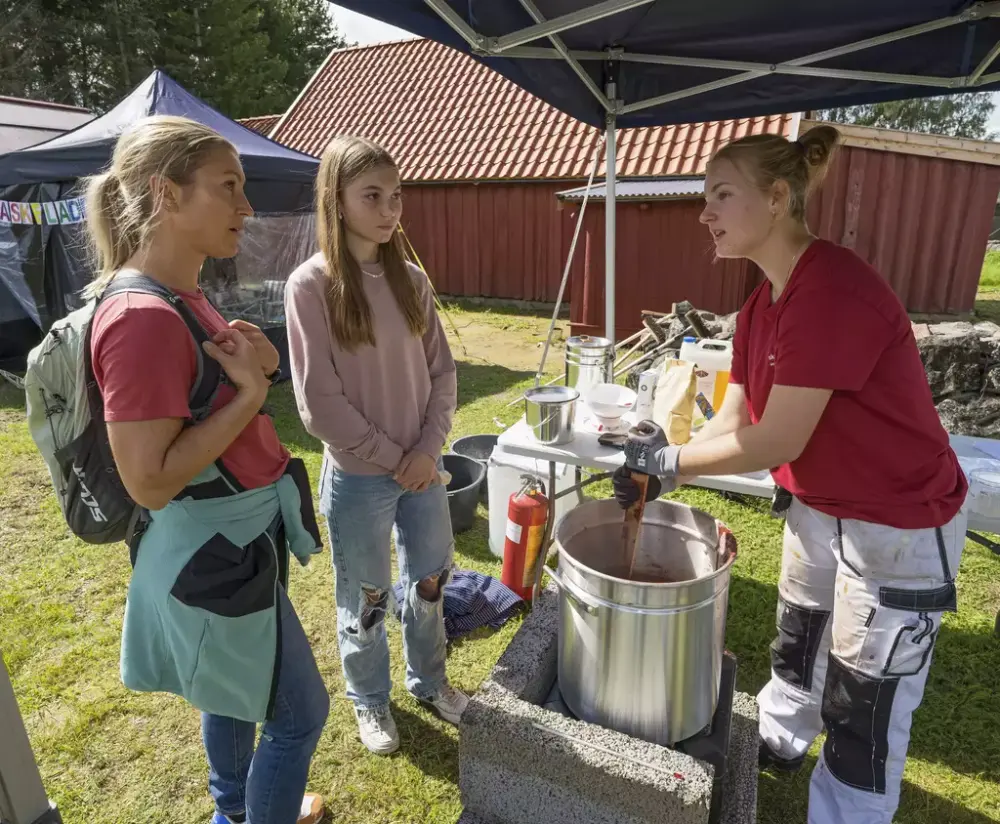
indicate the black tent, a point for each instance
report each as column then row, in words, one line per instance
column 42, row 265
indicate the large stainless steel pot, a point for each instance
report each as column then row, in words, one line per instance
column 643, row 656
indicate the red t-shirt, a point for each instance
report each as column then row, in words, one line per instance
column 879, row 452
column 144, row 363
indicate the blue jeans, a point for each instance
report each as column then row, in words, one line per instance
column 363, row 511
column 267, row 783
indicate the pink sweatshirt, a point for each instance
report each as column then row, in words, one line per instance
column 374, row 405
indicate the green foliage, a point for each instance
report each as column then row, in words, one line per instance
column 245, row 57
column 960, row 115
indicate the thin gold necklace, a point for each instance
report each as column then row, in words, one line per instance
column 791, row 267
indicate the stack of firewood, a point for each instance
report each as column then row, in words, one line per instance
column 662, row 335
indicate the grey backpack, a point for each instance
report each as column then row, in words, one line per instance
column 66, row 416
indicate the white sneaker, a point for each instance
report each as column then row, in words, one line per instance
column 378, row 729
column 449, row 703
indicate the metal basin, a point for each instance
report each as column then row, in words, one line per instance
column 643, row 656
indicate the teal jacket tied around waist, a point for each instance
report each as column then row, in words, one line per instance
column 202, row 615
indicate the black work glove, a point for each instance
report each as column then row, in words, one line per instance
column 627, row 490
column 648, row 451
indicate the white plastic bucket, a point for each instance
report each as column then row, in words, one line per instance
column 503, row 477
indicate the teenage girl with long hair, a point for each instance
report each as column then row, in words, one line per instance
column 207, row 615
column 375, row 381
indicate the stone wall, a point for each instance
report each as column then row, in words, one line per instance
column 962, row 362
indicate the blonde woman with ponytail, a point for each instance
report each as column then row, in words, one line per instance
column 827, row 390
column 207, row 616
column 375, row 381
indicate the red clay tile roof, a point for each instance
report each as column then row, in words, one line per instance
column 262, row 123
column 447, row 117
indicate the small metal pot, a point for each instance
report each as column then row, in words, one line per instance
column 550, row 412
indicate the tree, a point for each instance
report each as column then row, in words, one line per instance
column 961, row 115
column 305, row 32
column 217, row 50
column 244, row 57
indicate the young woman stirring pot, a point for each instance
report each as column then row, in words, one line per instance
column 827, row 390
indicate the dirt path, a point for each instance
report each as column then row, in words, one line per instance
column 509, row 340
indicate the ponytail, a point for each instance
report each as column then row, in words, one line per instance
column 111, row 239
column 817, row 147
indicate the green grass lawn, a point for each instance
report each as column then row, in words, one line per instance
column 990, row 279
column 109, row 756
column 988, row 297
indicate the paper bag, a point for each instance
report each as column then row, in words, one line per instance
column 673, row 402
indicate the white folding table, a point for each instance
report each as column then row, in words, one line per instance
column 584, row 452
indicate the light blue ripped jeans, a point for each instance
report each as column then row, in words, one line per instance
column 362, row 512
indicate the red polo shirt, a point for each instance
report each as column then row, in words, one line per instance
column 879, row 452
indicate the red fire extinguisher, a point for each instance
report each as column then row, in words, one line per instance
column 527, row 510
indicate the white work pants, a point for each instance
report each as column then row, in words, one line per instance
column 859, row 609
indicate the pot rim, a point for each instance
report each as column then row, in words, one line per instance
column 666, row 585
column 570, row 395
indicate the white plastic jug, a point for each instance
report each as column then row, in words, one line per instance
column 713, row 359
column 503, row 478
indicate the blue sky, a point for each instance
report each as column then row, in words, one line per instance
column 363, row 29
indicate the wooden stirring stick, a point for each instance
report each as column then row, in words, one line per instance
column 633, row 520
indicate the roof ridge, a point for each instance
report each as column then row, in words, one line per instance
column 377, row 44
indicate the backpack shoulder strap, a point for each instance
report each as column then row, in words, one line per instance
column 209, row 375
column 209, row 371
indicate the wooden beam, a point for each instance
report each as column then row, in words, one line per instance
column 924, row 145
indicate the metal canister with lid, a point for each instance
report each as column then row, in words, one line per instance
column 589, row 362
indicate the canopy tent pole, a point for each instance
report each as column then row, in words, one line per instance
column 22, row 795
column 569, row 263
column 609, row 224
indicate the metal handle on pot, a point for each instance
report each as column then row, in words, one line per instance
column 582, row 601
column 540, row 424
column 727, row 544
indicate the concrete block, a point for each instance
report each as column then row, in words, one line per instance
column 739, row 792
column 527, row 668
column 522, row 759
column 520, row 762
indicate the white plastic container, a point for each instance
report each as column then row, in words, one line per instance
column 644, row 397
column 984, row 492
column 503, row 478
column 713, row 359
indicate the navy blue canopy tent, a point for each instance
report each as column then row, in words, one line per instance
column 630, row 63
column 279, row 179
column 42, row 266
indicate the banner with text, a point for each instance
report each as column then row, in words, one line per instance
column 53, row 213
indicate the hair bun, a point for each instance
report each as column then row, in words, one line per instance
column 818, row 144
